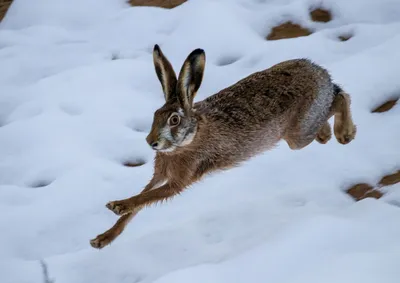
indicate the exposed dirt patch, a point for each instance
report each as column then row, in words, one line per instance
column 321, row 15
column 362, row 191
column 4, row 5
column 344, row 37
column 386, row 106
column 134, row 163
column 373, row 194
column 169, row 4
column 288, row 30
column 391, row 179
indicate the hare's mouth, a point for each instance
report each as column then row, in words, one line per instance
column 168, row 149
column 164, row 146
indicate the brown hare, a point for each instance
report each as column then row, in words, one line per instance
column 292, row 100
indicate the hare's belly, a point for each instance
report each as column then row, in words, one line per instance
column 264, row 137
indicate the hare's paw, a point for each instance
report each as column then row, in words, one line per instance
column 120, row 207
column 323, row 138
column 102, row 240
column 345, row 133
column 324, row 134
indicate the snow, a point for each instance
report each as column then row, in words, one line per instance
column 339, row 248
column 77, row 95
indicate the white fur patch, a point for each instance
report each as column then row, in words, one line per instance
column 159, row 184
column 169, row 149
column 186, row 76
column 166, row 133
column 164, row 78
column 189, row 139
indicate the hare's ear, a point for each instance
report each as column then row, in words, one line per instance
column 165, row 73
column 190, row 77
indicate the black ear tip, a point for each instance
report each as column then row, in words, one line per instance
column 196, row 53
column 156, row 48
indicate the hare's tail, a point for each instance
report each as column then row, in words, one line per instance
column 337, row 89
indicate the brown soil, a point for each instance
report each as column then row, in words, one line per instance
column 169, row 4
column 344, row 37
column 288, row 30
column 4, row 5
column 321, row 15
column 136, row 163
column 362, row 191
column 373, row 194
column 385, row 106
column 390, row 179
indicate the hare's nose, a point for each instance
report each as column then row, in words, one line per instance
column 151, row 141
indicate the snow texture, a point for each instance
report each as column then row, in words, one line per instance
column 77, row 95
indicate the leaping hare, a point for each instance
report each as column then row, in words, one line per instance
column 292, row 100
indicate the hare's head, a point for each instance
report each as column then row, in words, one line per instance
column 174, row 124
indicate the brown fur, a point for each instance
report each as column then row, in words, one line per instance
column 4, row 6
column 169, row 4
column 292, row 100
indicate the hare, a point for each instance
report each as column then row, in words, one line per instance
column 290, row 101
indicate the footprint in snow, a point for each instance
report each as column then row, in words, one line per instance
column 227, row 60
column 71, row 109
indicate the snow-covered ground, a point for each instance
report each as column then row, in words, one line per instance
column 77, row 95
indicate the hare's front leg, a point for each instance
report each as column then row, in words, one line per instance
column 164, row 192
column 111, row 234
column 133, row 204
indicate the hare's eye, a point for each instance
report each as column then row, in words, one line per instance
column 174, row 120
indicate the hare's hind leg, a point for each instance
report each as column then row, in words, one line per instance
column 299, row 142
column 324, row 134
column 309, row 123
column 344, row 128
column 314, row 125
column 297, row 138
column 321, row 135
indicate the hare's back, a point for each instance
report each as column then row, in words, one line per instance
column 268, row 93
column 253, row 114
